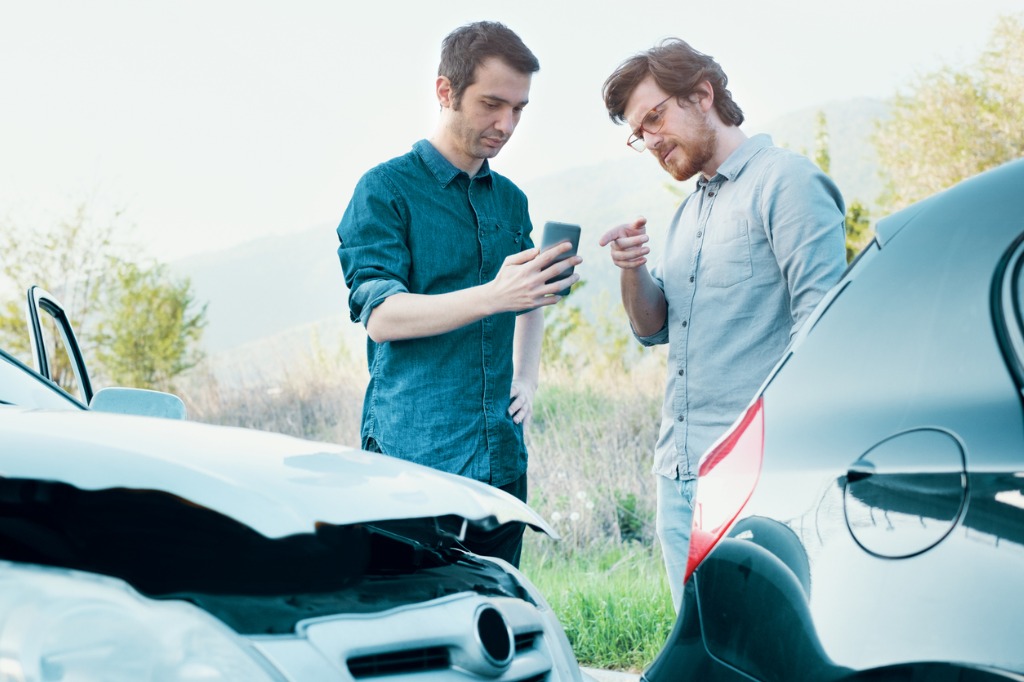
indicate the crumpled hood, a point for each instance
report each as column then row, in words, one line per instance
column 275, row 484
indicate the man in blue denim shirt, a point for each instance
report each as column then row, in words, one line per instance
column 749, row 254
column 441, row 269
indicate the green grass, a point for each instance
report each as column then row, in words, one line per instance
column 613, row 601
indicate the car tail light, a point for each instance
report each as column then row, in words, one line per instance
column 726, row 479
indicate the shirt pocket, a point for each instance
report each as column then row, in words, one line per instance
column 725, row 254
column 511, row 235
column 508, row 239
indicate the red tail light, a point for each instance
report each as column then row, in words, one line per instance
column 726, row 479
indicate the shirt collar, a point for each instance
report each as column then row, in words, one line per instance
column 733, row 166
column 443, row 169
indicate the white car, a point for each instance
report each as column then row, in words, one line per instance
column 148, row 548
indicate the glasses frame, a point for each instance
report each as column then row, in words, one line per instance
column 636, row 140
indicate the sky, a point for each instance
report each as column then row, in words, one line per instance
column 201, row 124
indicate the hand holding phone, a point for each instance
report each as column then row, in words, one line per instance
column 556, row 233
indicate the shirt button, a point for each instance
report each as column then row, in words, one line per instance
column 691, row 278
column 711, row 194
column 684, row 323
column 681, row 418
column 681, row 372
column 699, row 233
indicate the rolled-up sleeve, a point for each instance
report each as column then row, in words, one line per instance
column 805, row 216
column 372, row 245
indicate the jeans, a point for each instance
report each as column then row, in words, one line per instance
column 675, row 518
column 507, row 542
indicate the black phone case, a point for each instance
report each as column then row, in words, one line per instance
column 555, row 233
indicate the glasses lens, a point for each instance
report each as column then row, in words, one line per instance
column 653, row 122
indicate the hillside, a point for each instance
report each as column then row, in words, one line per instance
column 280, row 288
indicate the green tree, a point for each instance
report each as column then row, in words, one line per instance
column 566, row 330
column 822, row 156
column 91, row 271
column 149, row 332
column 858, row 218
column 858, row 229
column 70, row 260
column 952, row 124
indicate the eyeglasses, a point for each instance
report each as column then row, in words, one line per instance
column 651, row 123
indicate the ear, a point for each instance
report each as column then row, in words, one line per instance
column 705, row 96
column 443, row 89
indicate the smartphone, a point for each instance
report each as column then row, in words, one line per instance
column 556, row 233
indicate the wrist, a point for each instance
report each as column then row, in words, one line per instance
column 488, row 300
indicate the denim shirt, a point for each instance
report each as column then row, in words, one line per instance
column 748, row 256
column 418, row 224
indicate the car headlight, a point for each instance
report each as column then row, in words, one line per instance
column 57, row 624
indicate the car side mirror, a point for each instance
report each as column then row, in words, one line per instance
column 138, row 401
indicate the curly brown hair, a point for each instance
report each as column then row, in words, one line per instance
column 678, row 69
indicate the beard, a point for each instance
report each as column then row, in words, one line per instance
column 693, row 152
column 473, row 142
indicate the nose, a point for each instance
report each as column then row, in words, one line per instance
column 506, row 122
column 652, row 140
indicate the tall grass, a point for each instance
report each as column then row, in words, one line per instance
column 590, row 443
column 613, row 600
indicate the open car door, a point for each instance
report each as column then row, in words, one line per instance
column 47, row 320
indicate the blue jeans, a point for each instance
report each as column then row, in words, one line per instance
column 507, row 542
column 675, row 518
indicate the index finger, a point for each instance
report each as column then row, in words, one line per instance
column 611, row 235
column 550, row 255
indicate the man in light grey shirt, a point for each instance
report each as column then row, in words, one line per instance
column 748, row 256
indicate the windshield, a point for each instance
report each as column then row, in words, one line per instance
column 21, row 386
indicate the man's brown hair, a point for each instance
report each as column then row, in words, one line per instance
column 678, row 69
column 469, row 46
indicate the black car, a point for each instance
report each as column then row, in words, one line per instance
column 864, row 519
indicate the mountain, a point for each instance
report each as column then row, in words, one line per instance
column 269, row 296
column 267, row 285
column 850, row 125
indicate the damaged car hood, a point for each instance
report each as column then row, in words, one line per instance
column 277, row 485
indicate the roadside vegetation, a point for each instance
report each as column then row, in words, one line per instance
column 596, row 414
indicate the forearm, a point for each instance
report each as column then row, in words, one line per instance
column 526, row 365
column 519, row 285
column 643, row 300
column 526, row 349
column 412, row 316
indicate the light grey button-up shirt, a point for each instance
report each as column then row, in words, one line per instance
column 748, row 256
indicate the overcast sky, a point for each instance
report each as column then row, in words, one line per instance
column 212, row 122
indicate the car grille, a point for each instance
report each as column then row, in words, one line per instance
column 399, row 662
column 424, row 660
column 465, row 637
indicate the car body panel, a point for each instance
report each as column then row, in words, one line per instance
column 20, row 385
column 893, row 454
column 275, row 484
